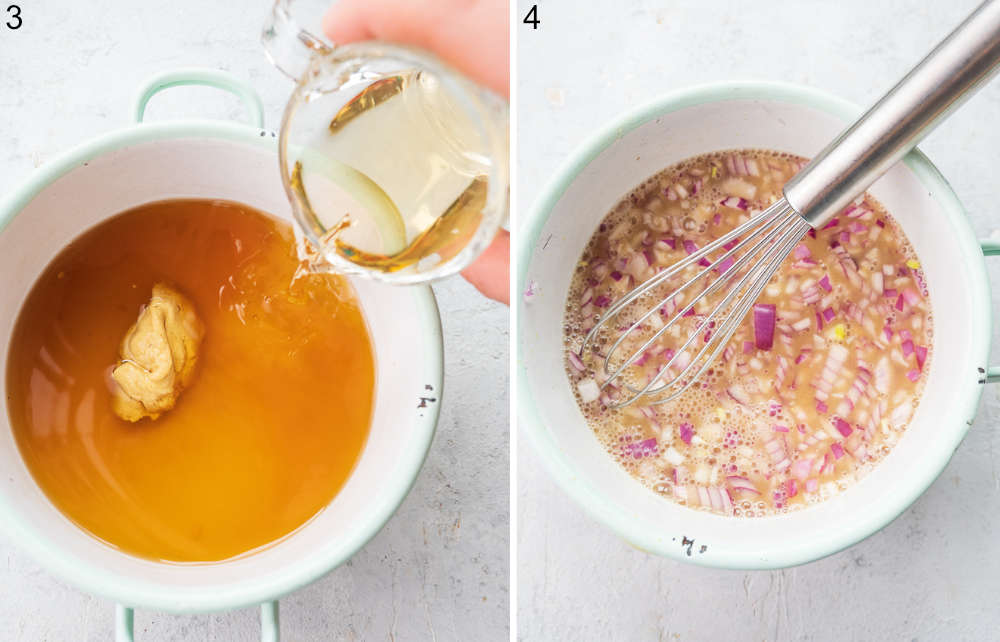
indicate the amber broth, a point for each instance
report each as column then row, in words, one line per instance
column 269, row 430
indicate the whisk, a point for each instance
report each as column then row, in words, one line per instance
column 747, row 257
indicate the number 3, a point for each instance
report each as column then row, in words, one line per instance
column 15, row 14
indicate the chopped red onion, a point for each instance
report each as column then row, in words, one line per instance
column 825, row 283
column 878, row 282
column 531, row 291
column 723, row 266
column 691, row 248
column 764, row 315
column 801, row 468
column 640, row 449
column 735, row 202
column 742, row 483
column 738, row 394
column 842, row 426
column 638, row 265
column 837, row 450
column 686, row 432
column 575, row 361
column 588, row 389
column 913, row 375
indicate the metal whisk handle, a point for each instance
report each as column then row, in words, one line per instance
column 942, row 81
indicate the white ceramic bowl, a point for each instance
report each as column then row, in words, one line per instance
column 209, row 159
column 714, row 118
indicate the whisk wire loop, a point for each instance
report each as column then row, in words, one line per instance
column 765, row 240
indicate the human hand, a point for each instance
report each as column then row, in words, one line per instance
column 469, row 35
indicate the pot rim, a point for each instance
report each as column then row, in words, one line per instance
column 234, row 595
column 591, row 499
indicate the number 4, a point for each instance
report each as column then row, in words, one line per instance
column 532, row 17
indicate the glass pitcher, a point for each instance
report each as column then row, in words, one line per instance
column 396, row 165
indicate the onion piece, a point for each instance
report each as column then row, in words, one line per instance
column 691, row 248
column 734, row 202
column 801, row 468
column 588, row 389
column 764, row 315
column 723, row 266
column 674, row 457
column 738, row 394
column 686, row 431
column 742, row 483
column 640, row 449
column 575, row 361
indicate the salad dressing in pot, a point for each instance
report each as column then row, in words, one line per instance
column 269, row 427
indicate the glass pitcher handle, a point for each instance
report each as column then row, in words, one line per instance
column 288, row 46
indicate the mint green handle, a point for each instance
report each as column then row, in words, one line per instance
column 269, row 625
column 991, row 248
column 196, row 76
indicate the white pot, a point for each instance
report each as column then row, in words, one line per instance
column 209, row 159
column 714, row 118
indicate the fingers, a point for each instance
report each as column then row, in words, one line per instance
column 471, row 36
column 490, row 273
column 348, row 21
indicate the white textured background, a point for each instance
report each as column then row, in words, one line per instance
column 439, row 569
column 934, row 573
